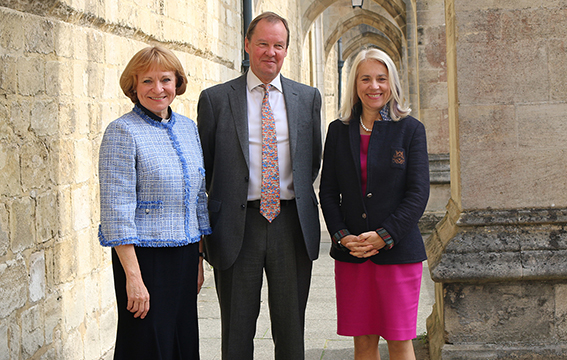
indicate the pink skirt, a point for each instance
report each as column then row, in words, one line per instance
column 378, row 299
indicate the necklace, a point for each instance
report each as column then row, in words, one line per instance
column 364, row 127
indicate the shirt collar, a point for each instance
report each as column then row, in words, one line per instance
column 385, row 113
column 252, row 81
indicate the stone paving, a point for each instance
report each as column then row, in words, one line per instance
column 321, row 340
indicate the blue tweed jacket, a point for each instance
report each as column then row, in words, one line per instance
column 152, row 182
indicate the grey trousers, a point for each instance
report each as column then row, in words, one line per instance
column 278, row 249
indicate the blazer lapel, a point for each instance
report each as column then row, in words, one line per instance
column 293, row 115
column 237, row 101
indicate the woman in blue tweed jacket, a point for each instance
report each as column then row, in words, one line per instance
column 154, row 212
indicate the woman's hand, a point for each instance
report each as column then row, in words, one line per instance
column 358, row 246
column 138, row 295
column 372, row 237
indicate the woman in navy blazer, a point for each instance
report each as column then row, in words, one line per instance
column 374, row 189
column 153, row 213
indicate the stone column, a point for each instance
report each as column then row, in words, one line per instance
column 499, row 255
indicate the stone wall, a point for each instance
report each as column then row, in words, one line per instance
column 498, row 256
column 60, row 62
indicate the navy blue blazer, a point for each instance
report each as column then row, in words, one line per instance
column 397, row 186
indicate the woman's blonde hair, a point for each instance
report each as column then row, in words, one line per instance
column 146, row 59
column 351, row 105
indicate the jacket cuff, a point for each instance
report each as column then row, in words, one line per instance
column 385, row 235
column 336, row 238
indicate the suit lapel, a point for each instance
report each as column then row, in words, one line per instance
column 237, row 100
column 290, row 95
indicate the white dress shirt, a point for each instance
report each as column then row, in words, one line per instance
column 254, row 96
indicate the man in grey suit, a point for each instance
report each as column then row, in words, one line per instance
column 245, row 241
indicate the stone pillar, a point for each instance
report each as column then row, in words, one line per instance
column 498, row 256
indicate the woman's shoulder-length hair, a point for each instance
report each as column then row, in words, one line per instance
column 146, row 59
column 351, row 101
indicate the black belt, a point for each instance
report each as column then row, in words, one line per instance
column 256, row 203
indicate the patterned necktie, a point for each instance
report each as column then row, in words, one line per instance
column 270, row 198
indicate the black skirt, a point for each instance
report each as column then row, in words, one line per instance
column 169, row 331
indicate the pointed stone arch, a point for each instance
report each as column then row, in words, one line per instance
column 361, row 16
column 311, row 10
column 374, row 39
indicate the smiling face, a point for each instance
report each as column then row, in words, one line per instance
column 267, row 49
column 373, row 85
column 156, row 90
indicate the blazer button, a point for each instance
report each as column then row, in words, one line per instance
column 246, row 178
column 364, row 215
column 369, row 195
column 147, row 211
column 243, row 206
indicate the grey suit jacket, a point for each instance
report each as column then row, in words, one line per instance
column 223, row 127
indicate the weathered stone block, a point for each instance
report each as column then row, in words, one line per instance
column 83, row 119
column 32, row 330
column 13, row 286
column 108, row 326
column 6, row 131
column 64, row 211
column 52, row 316
column 95, row 123
column 63, row 43
column 95, row 73
column 80, row 79
column 464, row 5
column 491, row 127
column 86, row 260
column 35, row 162
column 44, row 121
column 58, row 78
column 7, row 75
column 542, row 126
column 490, row 351
column 31, row 73
column 15, row 339
column 46, row 216
column 67, row 117
column 73, row 306
column 107, row 293
column 64, row 261
column 83, row 160
column 486, row 177
column 80, row 43
column 111, row 84
column 73, row 346
column 92, row 338
column 9, row 168
column 11, row 34
column 508, row 72
column 4, row 230
column 80, row 198
column 515, row 312
column 20, row 121
column 558, row 74
column 21, row 228
column 39, row 36
column 37, row 276
column 561, row 311
column 4, row 347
